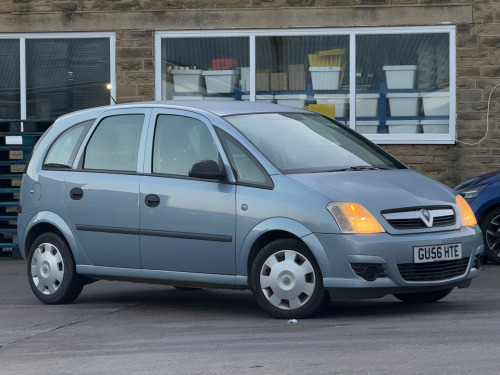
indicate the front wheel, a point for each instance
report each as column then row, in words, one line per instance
column 51, row 270
column 287, row 281
column 423, row 297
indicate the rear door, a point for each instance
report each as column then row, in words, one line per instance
column 187, row 224
column 101, row 197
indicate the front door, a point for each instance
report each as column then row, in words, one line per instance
column 187, row 224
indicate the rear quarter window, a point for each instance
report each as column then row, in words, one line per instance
column 63, row 151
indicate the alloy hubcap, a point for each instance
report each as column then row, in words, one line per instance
column 47, row 268
column 493, row 235
column 287, row 280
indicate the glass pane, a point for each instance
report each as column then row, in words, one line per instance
column 402, row 83
column 302, row 143
column 60, row 154
column 179, row 143
column 204, row 68
column 65, row 75
column 303, row 70
column 114, row 145
column 248, row 170
column 10, row 97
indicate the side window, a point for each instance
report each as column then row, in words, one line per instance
column 247, row 169
column 63, row 151
column 179, row 143
column 114, row 146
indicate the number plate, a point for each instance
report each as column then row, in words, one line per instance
column 437, row 253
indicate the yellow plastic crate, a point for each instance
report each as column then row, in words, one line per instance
column 331, row 57
column 325, row 109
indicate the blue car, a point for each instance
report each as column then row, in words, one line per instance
column 483, row 195
column 282, row 201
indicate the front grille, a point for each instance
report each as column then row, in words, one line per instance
column 433, row 271
column 414, row 218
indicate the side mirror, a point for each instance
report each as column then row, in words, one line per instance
column 207, row 170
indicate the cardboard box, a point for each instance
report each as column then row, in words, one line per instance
column 279, row 81
column 224, row 64
column 262, row 81
column 296, row 77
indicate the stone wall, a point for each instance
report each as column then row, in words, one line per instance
column 134, row 21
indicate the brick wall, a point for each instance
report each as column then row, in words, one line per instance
column 478, row 51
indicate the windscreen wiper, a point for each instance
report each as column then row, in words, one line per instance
column 358, row 168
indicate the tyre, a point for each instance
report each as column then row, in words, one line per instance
column 423, row 297
column 490, row 226
column 51, row 270
column 287, row 281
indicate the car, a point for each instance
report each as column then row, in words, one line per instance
column 282, row 201
column 483, row 195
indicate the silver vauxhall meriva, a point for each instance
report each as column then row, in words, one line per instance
column 279, row 200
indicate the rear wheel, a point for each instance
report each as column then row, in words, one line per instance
column 51, row 270
column 490, row 227
column 287, row 281
column 423, row 297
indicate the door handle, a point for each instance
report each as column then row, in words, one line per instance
column 152, row 200
column 76, row 194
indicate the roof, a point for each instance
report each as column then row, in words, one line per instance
column 217, row 107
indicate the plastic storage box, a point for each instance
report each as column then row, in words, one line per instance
column 404, row 126
column 404, row 104
column 187, row 80
column 338, row 100
column 435, row 126
column 260, row 98
column 221, row 81
column 367, row 127
column 400, row 76
column 367, row 105
column 436, row 103
column 297, row 100
column 325, row 77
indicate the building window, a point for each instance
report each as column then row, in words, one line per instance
column 61, row 73
column 402, row 89
column 10, row 94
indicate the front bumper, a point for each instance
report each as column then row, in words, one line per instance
column 390, row 252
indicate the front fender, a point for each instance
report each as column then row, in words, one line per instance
column 47, row 217
column 285, row 225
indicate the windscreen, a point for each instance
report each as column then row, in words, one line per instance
column 301, row 143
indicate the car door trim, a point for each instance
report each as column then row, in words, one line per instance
column 156, row 233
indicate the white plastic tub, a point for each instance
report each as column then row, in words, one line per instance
column 436, row 103
column 298, row 100
column 221, row 81
column 400, row 76
column 187, row 80
column 404, row 126
column 435, row 126
column 187, row 97
column 404, row 104
column 367, row 105
column 367, row 127
column 338, row 100
column 325, row 77
column 260, row 98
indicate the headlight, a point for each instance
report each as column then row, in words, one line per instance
column 466, row 215
column 354, row 218
column 471, row 192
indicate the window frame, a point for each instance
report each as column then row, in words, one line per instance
column 23, row 37
column 352, row 33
